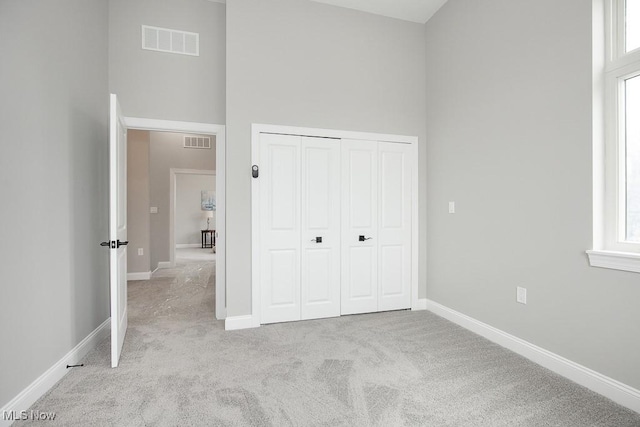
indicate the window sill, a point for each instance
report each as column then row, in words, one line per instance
column 624, row 261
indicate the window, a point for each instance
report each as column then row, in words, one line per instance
column 618, row 245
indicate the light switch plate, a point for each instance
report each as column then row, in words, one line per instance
column 452, row 207
column 521, row 295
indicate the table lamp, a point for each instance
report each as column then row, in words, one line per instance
column 209, row 215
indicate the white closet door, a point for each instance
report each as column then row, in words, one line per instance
column 280, row 227
column 359, row 227
column 320, row 228
column 394, row 226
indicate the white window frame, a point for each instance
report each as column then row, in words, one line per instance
column 610, row 250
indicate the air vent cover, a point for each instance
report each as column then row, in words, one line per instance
column 197, row 142
column 171, row 41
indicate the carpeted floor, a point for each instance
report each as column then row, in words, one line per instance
column 179, row 367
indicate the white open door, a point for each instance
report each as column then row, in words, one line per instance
column 117, row 228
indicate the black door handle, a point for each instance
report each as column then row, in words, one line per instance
column 317, row 240
column 122, row 243
column 107, row 243
column 361, row 238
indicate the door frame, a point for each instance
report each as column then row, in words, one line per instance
column 173, row 195
column 219, row 131
column 256, row 129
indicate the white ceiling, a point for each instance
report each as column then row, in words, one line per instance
column 408, row 10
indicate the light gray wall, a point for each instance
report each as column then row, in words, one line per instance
column 509, row 140
column 167, row 151
column 162, row 85
column 138, row 222
column 301, row 63
column 53, row 183
column 190, row 218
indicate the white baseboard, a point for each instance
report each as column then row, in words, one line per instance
column 165, row 264
column 42, row 384
column 421, row 304
column 139, row 276
column 188, row 245
column 239, row 322
column 618, row 392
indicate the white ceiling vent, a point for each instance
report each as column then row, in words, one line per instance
column 197, row 142
column 172, row 41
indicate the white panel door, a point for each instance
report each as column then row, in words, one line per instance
column 394, row 226
column 320, row 228
column 359, row 287
column 117, row 228
column 280, row 227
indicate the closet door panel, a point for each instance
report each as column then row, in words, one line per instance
column 359, row 226
column 394, row 261
column 280, row 228
column 320, row 228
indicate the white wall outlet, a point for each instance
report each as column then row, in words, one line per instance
column 452, row 207
column 521, row 295
column 153, row 209
column 140, row 251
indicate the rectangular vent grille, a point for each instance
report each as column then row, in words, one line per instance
column 197, row 142
column 171, row 41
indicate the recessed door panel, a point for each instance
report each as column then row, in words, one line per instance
column 359, row 226
column 361, row 276
column 391, row 270
column 283, row 174
column 394, row 262
column 282, row 264
column 320, row 228
column 318, row 276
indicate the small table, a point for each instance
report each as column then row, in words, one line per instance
column 208, row 238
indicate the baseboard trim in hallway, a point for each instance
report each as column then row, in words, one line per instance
column 42, row 384
column 139, row 276
column 620, row 393
column 234, row 323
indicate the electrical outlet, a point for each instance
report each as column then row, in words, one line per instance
column 153, row 209
column 521, row 295
column 452, row 207
column 140, row 251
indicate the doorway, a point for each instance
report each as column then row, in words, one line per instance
column 192, row 221
column 217, row 132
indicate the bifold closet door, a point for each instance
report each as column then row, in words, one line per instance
column 299, row 228
column 320, row 228
column 376, row 226
column 359, row 287
column 280, row 227
column 394, row 226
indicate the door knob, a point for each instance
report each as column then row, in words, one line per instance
column 317, row 240
column 122, row 243
column 361, row 238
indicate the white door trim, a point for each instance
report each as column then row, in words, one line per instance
column 256, row 130
column 221, row 241
column 173, row 172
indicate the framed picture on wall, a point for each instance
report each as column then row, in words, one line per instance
column 208, row 200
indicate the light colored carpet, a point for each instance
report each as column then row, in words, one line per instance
column 179, row 367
